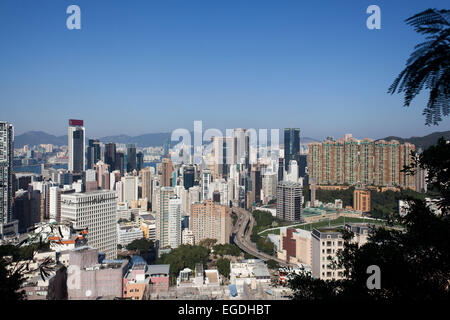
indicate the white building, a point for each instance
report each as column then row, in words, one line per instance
column 127, row 234
column 130, row 188
column 187, row 237
column 95, row 210
column 175, row 222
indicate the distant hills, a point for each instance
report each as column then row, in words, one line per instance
column 421, row 142
column 158, row 139
column 33, row 138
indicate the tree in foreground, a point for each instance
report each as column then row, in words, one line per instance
column 414, row 262
column 428, row 67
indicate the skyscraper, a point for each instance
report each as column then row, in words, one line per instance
column 146, row 177
column 289, row 201
column 166, row 172
column 76, row 146
column 120, row 162
column 291, row 146
column 131, row 157
column 110, row 155
column 188, row 176
column 139, row 161
column 6, row 184
column 163, row 195
column 93, row 153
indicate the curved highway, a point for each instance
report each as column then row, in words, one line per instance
column 242, row 237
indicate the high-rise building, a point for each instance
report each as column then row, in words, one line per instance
column 130, row 188
column 223, row 155
column 96, row 211
column 166, row 172
column 162, row 208
column 289, row 201
column 120, row 162
column 174, row 224
column 255, row 185
column 188, row 176
column 131, row 157
column 76, row 146
column 291, row 146
column 146, row 178
column 139, row 161
column 209, row 220
column 361, row 200
column 206, row 181
column 6, row 170
column 352, row 162
column 110, row 155
column 93, row 153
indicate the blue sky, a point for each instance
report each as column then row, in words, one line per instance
column 153, row 66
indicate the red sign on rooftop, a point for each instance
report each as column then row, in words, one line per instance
column 73, row 122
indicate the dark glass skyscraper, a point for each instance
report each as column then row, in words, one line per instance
column 93, row 153
column 139, row 161
column 188, row 177
column 76, row 146
column 110, row 155
column 119, row 164
column 131, row 157
column 291, row 146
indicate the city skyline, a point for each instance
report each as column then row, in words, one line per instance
column 311, row 66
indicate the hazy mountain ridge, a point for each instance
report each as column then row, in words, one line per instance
column 421, row 142
column 33, row 138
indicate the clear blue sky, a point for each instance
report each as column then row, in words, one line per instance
column 152, row 66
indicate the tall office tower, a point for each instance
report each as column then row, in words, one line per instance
column 6, row 178
column 289, row 201
column 242, row 147
column 100, row 168
column 188, row 176
column 91, row 180
column 96, row 211
column 209, row 220
column 93, row 153
column 280, row 169
column 221, row 187
column 120, row 162
column 130, row 188
column 206, row 181
column 163, row 195
column 166, row 172
column 110, row 155
column 255, row 186
column 139, row 161
column 291, row 146
column 292, row 175
column 366, row 161
column 146, row 179
column 76, row 146
column 361, row 200
column 27, row 205
column 223, row 154
column 174, row 223
column 269, row 187
column 131, row 157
